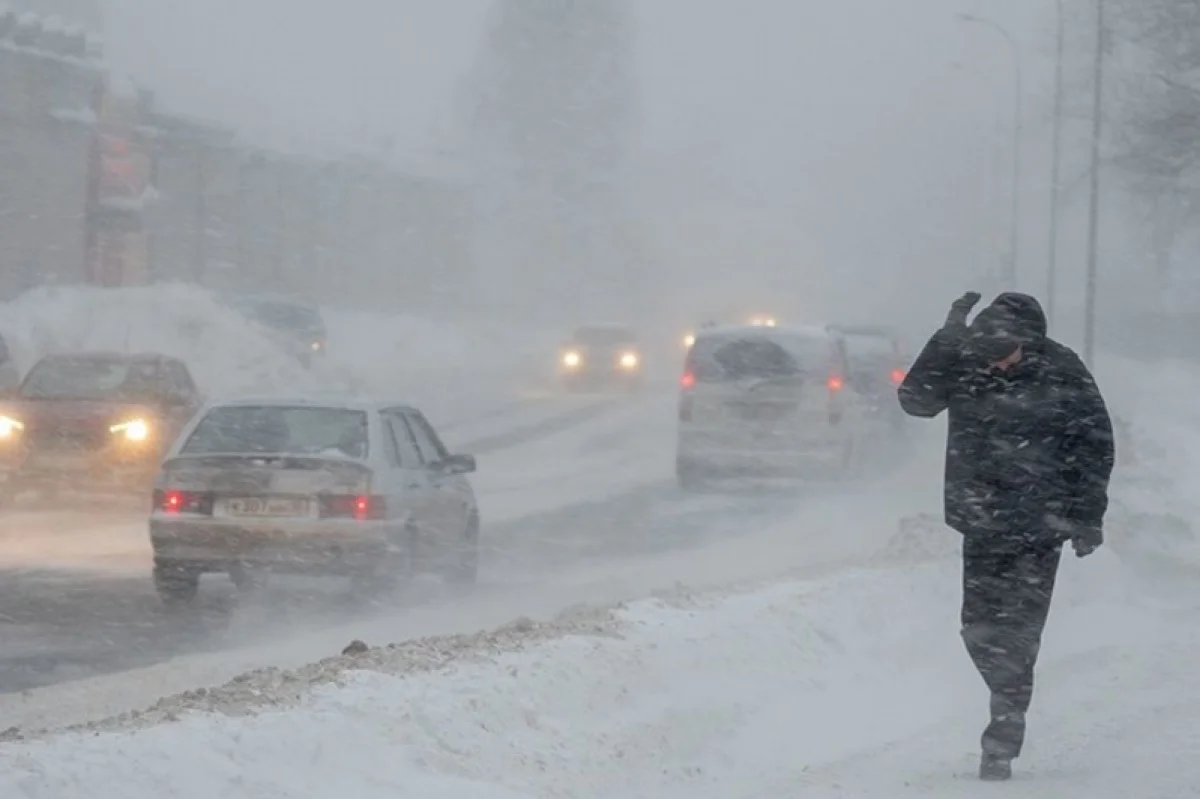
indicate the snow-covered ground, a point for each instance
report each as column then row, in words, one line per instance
column 796, row 644
column 853, row 685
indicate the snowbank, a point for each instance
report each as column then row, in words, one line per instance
column 1154, row 503
column 227, row 355
column 697, row 695
column 455, row 369
column 404, row 346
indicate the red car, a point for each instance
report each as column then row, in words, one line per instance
column 85, row 421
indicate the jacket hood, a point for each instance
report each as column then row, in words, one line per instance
column 1012, row 320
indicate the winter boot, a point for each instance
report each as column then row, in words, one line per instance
column 995, row 768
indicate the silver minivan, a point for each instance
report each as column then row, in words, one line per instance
column 767, row 401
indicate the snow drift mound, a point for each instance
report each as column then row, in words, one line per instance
column 227, row 355
column 712, row 695
column 1154, row 502
column 405, row 353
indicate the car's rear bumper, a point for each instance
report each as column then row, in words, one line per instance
column 601, row 377
column 717, row 454
column 325, row 546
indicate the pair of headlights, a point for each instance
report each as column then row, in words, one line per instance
column 628, row 360
column 132, row 429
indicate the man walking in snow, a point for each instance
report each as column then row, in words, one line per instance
column 1028, row 458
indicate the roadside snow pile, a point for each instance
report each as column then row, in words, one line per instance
column 684, row 695
column 225, row 353
column 1155, row 504
column 405, row 353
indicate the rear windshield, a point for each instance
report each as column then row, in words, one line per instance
column 273, row 429
column 866, row 346
column 91, row 379
column 724, row 359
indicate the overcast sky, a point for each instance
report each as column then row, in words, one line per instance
column 832, row 136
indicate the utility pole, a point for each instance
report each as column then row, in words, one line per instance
column 1089, row 315
column 1055, row 167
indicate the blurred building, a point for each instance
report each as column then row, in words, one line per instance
column 101, row 186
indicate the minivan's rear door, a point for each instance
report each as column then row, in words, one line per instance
column 755, row 387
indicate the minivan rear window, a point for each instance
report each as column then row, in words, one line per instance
column 730, row 359
column 870, row 346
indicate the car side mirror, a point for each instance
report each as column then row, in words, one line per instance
column 459, row 464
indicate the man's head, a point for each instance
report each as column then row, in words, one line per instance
column 1002, row 333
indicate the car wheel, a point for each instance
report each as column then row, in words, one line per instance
column 394, row 570
column 247, row 579
column 465, row 567
column 851, row 463
column 177, row 585
column 689, row 476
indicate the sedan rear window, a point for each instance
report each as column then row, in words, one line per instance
column 870, row 346
column 280, row 430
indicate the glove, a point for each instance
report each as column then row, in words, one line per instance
column 956, row 320
column 1086, row 540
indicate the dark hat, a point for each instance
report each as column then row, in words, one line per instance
column 1012, row 320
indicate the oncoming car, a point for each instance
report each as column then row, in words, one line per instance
column 767, row 401
column 601, row 356
column 355, row 489
column 93, row 421
column 296, row 327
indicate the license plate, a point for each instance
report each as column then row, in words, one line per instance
column 272, row 507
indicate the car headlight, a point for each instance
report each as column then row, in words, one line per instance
column 133, row 430
column 571, row 359
column 9, row 427
column 629, row 360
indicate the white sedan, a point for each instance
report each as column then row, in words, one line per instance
column 362, row 489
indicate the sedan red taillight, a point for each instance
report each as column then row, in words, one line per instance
column 361, row 507
column 173, row 501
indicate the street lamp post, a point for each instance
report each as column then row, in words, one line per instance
column 1089, row 307
column 1015, row 222
column 1055, row 166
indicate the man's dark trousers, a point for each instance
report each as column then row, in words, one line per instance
column 1007, row 588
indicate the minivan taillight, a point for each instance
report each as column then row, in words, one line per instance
column 173, row 501
column 361, row 507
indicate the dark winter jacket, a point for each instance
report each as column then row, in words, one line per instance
column 1029, row 450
